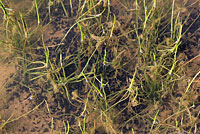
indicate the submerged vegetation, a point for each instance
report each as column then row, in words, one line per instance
column 113, row 66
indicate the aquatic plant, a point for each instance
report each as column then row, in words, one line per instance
column 117, row 68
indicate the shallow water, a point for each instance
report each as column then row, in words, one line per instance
column 34, row 109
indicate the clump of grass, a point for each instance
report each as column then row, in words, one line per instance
column 16, row 35
column 156, row 73
column 128, row 68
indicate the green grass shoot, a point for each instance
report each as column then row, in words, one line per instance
column 37, row 11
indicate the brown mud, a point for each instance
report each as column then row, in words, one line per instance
column 31, row 109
